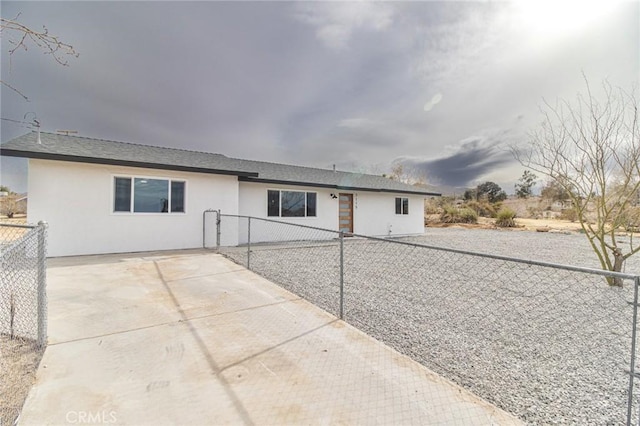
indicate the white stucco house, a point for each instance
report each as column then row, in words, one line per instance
column 101, row 196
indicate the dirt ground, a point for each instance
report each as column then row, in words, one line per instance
column 17, row 219
column 19, row 361
column 550, row 224
column 19, row 358
column 539, row 225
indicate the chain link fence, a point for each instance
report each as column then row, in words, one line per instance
column 23, row 313
column 548, row 343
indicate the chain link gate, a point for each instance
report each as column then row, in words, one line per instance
column 561, row 326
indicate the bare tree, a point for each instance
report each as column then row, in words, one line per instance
column 20, row 37
column 591, row 149
column 9, row 205
column 554, row 192
column 411, row 175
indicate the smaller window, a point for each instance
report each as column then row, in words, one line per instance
column 177, row 196
column 311, row 203
column 273, row 203
column 122, row 202
column 402, row 205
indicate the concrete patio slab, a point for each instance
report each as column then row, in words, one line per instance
column 191, row 338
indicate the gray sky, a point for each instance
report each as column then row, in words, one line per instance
column 444, row 87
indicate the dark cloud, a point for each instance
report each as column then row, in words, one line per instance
column 473, row 159
column 309, row 83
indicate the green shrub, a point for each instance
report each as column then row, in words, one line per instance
column 455, row 215
column 505, row 218
column 448, row 215
column 468, row 215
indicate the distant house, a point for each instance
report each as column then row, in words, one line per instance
column 101, row 196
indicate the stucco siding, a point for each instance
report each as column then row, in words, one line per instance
column 77, row 201
column 253, row 202
column 375, row 215
column 373, row 212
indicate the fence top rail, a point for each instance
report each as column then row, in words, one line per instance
column 8, row 248
column 513, row 259
column 18, row 225
column 315, row 228
column 586, row 270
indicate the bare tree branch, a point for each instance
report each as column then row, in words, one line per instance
column 20, row 37
column 591, row 149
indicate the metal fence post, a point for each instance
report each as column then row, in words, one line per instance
column 249, row 243
column 42, row 284
column 341, row 275
column 218, row 220
column 632, row 365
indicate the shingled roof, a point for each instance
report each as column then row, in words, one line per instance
column 99, row 151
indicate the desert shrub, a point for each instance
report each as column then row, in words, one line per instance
column 431, row 206
column 569, row 214
column 534, row 212
column 455, row 215
column 505, row 218
column 449, row 214
column 468, row 215
column 629, row 219
column 483, row 208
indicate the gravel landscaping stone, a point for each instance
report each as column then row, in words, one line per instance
column 549, row 345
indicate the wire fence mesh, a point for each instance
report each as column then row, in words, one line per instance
column 23, row 313
column 547, row 343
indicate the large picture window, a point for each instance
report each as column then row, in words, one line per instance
column 402, row 206
column 291, row 203
column 146, row 195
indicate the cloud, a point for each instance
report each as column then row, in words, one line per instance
column 355, row 123
column 312, row 83
column 335, row 23
column 435, row 100
column 473, row 158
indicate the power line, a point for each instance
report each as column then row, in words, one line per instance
column 19, row 123
column 14, row 121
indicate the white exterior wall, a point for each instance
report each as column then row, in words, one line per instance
column 373, row 213
column 76, row 200
column 253, row 202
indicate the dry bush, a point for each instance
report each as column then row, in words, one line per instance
column 455, row 215
column 505, row 218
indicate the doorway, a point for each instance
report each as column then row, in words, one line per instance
column 345, row 213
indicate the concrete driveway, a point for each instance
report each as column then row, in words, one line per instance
column 191, row 338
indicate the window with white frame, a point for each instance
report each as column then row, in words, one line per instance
column 148, row 195
column 402, row 205
column 291, row 203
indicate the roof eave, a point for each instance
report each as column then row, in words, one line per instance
column 338, row 187
column 114, row 162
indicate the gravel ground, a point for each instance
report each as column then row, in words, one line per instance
column 557, row 247
column 548, row 345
